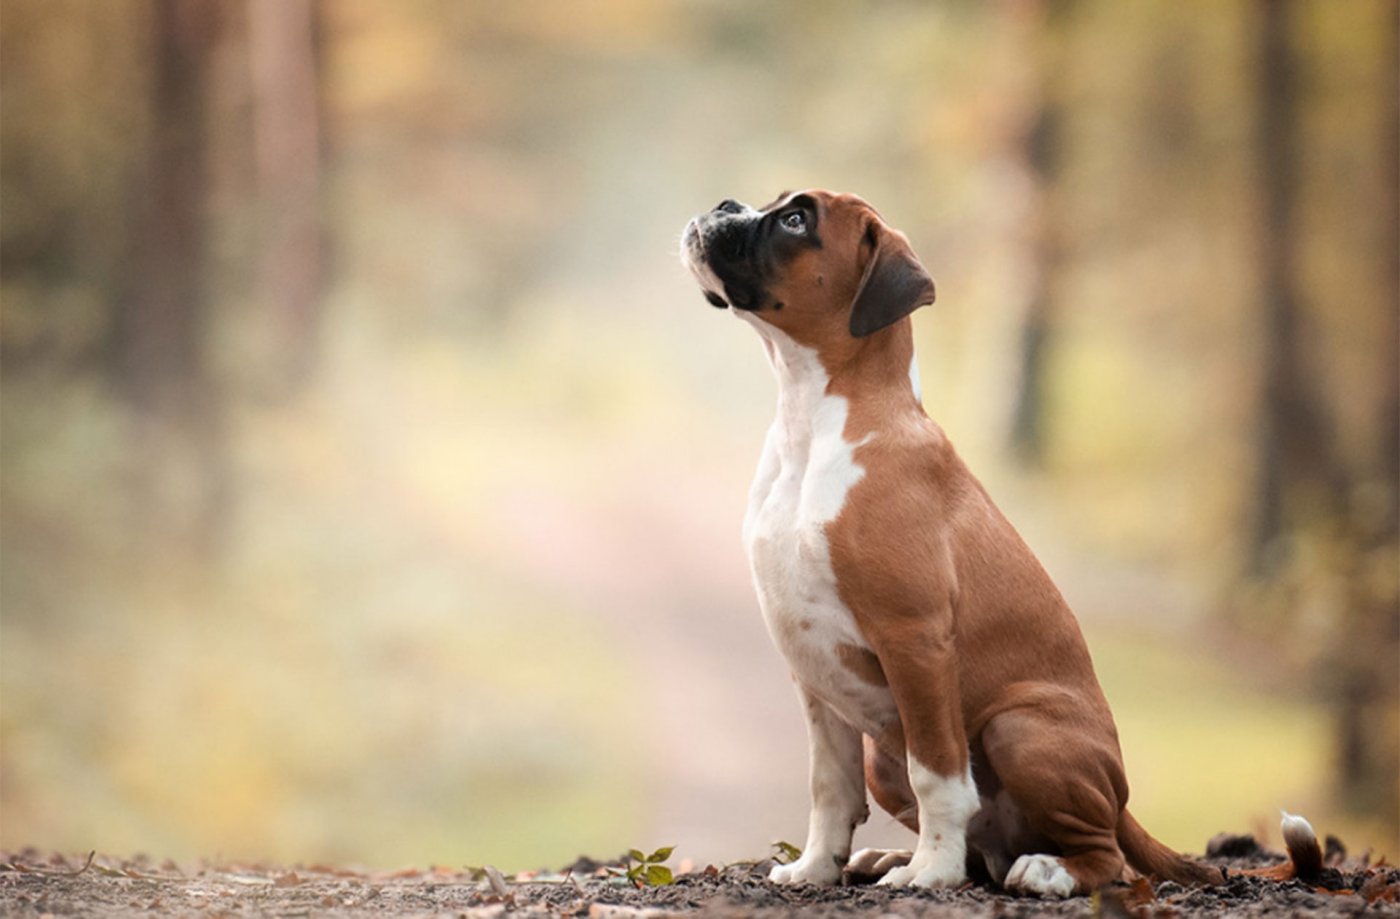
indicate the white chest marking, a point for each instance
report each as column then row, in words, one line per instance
column 806, row 472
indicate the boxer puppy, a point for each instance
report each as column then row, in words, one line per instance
column 935, row 660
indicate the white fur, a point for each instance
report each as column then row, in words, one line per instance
column 878, row 861
column 702, row 270
column 838, row 798
column 1297, row 832
column 946, row 804
column 1042, row 875
column 806, row 472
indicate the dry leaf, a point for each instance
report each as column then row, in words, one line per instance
column 497, row 882
column 1379, row 890
column 1140, row 893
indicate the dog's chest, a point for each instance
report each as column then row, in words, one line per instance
column 804, row 480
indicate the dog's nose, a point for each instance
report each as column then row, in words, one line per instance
column 729, row 206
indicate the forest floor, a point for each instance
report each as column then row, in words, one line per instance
column 34, row 884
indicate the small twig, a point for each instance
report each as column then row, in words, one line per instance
column 51, row 872
column 569, row 876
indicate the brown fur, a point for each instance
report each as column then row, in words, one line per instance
column 976, row 643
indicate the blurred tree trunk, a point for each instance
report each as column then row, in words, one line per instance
column 1038, row 157
column 1367, row 648
column 1388, row 216
column 161, row 313
column 1294, row 455
column 1342, row 510
column 159, row 322
column 283, row 46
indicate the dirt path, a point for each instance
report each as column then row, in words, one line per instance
column 35, row 885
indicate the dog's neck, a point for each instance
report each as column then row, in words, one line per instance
column 880, row 368
column 879, row 374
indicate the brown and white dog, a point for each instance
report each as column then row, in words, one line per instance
column 936, row 662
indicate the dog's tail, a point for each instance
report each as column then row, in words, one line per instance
column 1304, row 853
column 1154, row 859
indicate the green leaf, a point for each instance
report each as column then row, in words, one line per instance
column 658, row 875
column 787, row 853
column 636, row 855
column 660, row 855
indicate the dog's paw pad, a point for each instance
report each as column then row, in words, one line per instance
column 1040, row 875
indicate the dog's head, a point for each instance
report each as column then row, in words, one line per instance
column 815, row 264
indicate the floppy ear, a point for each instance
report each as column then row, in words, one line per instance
column 893, row 286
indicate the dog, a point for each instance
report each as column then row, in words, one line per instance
column 935, row 660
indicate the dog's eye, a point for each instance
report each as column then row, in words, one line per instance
column 794, row 222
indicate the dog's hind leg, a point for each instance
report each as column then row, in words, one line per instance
column 1067, row 780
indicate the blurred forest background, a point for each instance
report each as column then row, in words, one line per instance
column 372, row 472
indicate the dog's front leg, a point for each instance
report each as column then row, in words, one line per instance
column 916, row 651
column 838, row 797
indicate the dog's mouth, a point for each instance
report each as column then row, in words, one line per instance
column 713, row 247
column 695, row 257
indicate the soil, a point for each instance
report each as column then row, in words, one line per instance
column 35, row 884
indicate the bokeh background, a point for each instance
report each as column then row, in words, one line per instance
column 372, row 472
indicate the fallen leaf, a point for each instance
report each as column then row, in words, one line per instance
column 497, row 882
column 1140, row 893
column 1379, row 890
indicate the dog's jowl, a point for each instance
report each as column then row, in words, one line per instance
column 936, row 662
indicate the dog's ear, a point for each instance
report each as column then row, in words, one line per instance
column 894, row 283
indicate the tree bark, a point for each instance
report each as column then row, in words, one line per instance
column 1294, row 453
column 180, row 483
column 1039, row 156
column 159, row 318
column 283, row 58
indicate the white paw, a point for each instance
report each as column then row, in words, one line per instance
column 1042, row 875
column 818, row 869
column 928, row 868
column 877, row 862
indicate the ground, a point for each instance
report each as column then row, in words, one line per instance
column 35, row 884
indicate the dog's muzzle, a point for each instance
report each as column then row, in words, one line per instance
column 713, row 244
